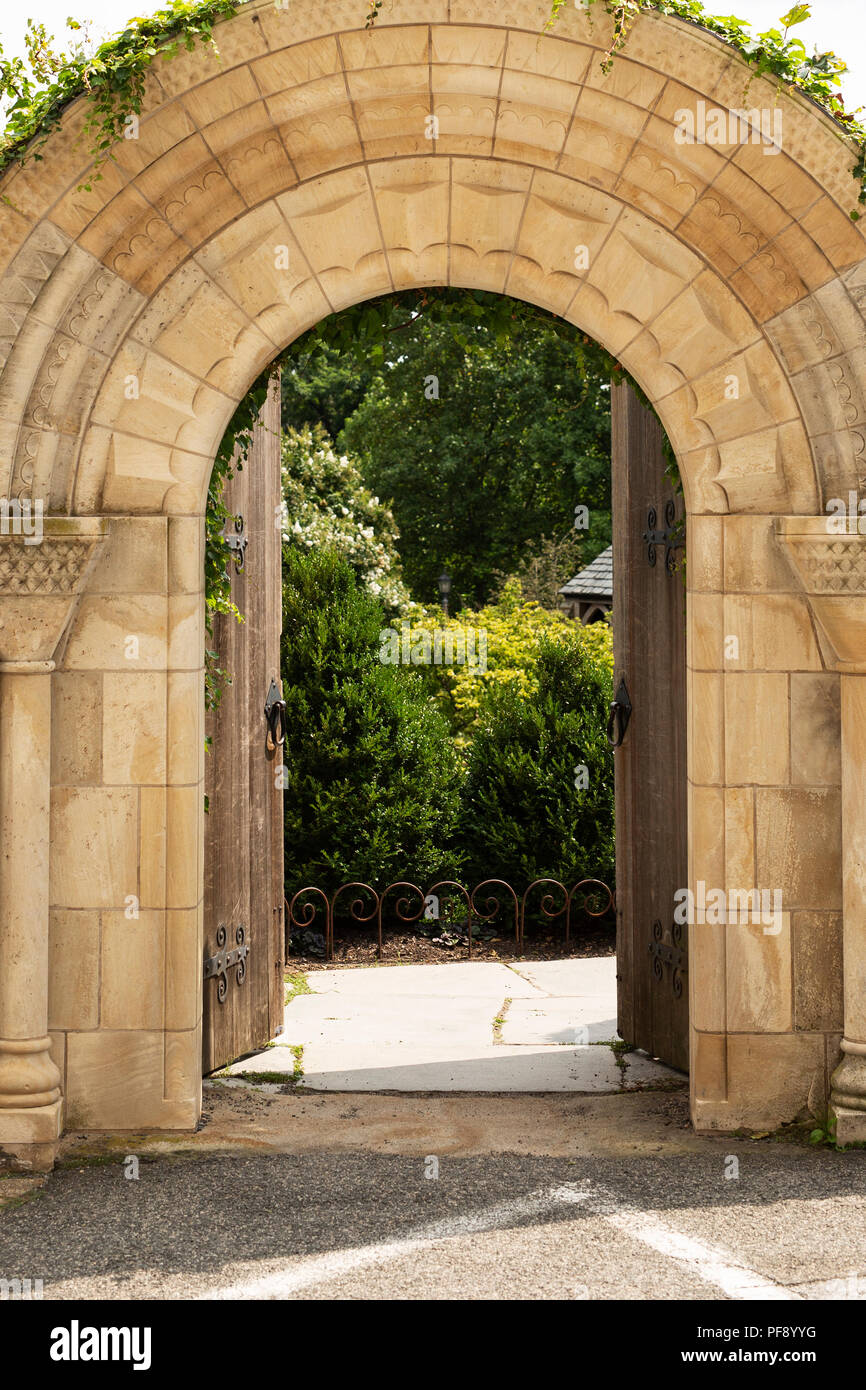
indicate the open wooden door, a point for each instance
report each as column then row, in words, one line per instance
column 649, row 638
column 243, row 908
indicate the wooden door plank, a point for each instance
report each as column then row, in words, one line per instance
column 650, row 768
column 265, row 797
column 227, row 873
column 243, row 831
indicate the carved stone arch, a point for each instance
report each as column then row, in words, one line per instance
column 300, row 172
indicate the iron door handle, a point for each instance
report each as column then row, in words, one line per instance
column 620, row 714
column 277, row 725
column 275, row 715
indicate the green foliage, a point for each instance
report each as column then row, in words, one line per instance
column 514, row 630
column 326, row 506
column 322, row 386
column 825, row 1134
column 524, row 814
column 39, row 87
column 232, row 454
column 379, row 328
column 217, row 581
column 482, row 436
column 372, row 778
column 329, row 371
column 546, row 565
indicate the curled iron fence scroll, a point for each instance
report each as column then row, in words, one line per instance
column 489, row 903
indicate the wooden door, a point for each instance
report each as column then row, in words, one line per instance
column 649, row 638
column 243, row 1003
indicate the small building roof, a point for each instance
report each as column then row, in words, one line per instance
column 596, row 581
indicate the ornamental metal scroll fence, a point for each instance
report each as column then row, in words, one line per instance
column 489, row 903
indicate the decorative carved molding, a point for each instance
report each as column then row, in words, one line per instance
column 52, row 567
column 831, row 567
column 55, row 565
column 834, row 565
column 25, row 279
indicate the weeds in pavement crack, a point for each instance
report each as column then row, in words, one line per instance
column 499, row 1020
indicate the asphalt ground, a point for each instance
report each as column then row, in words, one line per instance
column 790, row 1225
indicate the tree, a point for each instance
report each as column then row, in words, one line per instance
column 481, row 445
column 539, row 795
column 546, row 565
column 323, row 386
column 372, row 779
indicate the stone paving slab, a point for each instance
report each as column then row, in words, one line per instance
column 643, row 1070
column 462, row 1021
column 472, row 979
column 583, row 976
column 434, row 1028
column 560, row 1020
column 430, row 1068
column 275, row 1059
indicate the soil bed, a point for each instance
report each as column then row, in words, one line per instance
column 356, row 945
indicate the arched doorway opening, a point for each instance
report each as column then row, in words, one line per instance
column 541, row 855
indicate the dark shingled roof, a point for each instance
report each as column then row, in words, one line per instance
column 596, row 581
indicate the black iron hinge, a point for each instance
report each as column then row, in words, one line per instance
column 237, row 542
column 234, row 958
column 673, row 954
column 672, row 536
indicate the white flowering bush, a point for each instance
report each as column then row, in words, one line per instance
column 326, row 506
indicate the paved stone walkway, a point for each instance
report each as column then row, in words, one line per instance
column 474, row 1026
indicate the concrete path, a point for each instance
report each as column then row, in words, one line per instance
column 474, row 1026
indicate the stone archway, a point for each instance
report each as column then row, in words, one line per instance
column 299, row 174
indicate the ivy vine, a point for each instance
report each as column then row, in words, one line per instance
column 39, row 87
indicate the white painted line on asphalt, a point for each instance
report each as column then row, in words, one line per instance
column 339, row 1262
column 847, row 1286
column 712, row 1266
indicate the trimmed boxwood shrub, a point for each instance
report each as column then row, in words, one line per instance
column 372, row 778
column 525, row 813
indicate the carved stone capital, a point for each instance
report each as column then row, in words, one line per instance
column 41, row 577
column 831, row 567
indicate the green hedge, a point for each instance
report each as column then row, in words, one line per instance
column 375, row 788
column 372, row 776
column 526, row 812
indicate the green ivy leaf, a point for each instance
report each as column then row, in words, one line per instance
column 796, row 15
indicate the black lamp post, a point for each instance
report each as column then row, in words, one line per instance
column 444, row 590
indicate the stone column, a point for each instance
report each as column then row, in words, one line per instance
column 40, row 580
column 832, row 569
